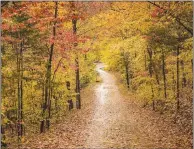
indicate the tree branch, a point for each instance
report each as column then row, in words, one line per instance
column 178, row 20
column 57, row 68
column 3, row 3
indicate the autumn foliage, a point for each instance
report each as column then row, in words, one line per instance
column 47, row 45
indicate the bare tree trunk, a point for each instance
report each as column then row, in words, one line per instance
column 192, row 70
column 163, row 73
column 77, row 90
column 21, row 125
column 42, row 121
column 174, row 84
column 151, row 74
column 18, row 94
column 78, row 98
column 20, row 90
column 126, row 63
column 177, row 80
column 192, row 65
column 127, row 74
column 184, row 80
column 125, row 59
column 153, row 103
column 145, row 60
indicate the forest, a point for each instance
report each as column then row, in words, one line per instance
column 96, row 74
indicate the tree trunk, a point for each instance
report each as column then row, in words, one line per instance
column 127, row 74
column 20, row 90
column 192, row 70
column 153, row 102
column 174, row 84
column 145, row 60
column 78, row 98
column 192, row 65
column 163, row 73
column 126, row 63
column 77, row 90
column 21, row 82
column 47, row 104
column 42, row 106
column 18, row 93
column 150, row 67
column 184, row 80
column 177, row 80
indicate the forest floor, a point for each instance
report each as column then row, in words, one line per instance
column 109, row 119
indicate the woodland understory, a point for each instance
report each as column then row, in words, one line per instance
column 88, row 74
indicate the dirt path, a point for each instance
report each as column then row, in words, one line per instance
column 107, row 120
column 119, row 122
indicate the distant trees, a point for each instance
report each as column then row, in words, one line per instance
column 156, row 50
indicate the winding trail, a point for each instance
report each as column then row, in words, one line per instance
column 108, row 112
column 110, row 120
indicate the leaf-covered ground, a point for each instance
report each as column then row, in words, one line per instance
column 111, row 120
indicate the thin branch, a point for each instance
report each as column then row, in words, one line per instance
column 57, row 67
column 178, row 20
column 3, row 3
